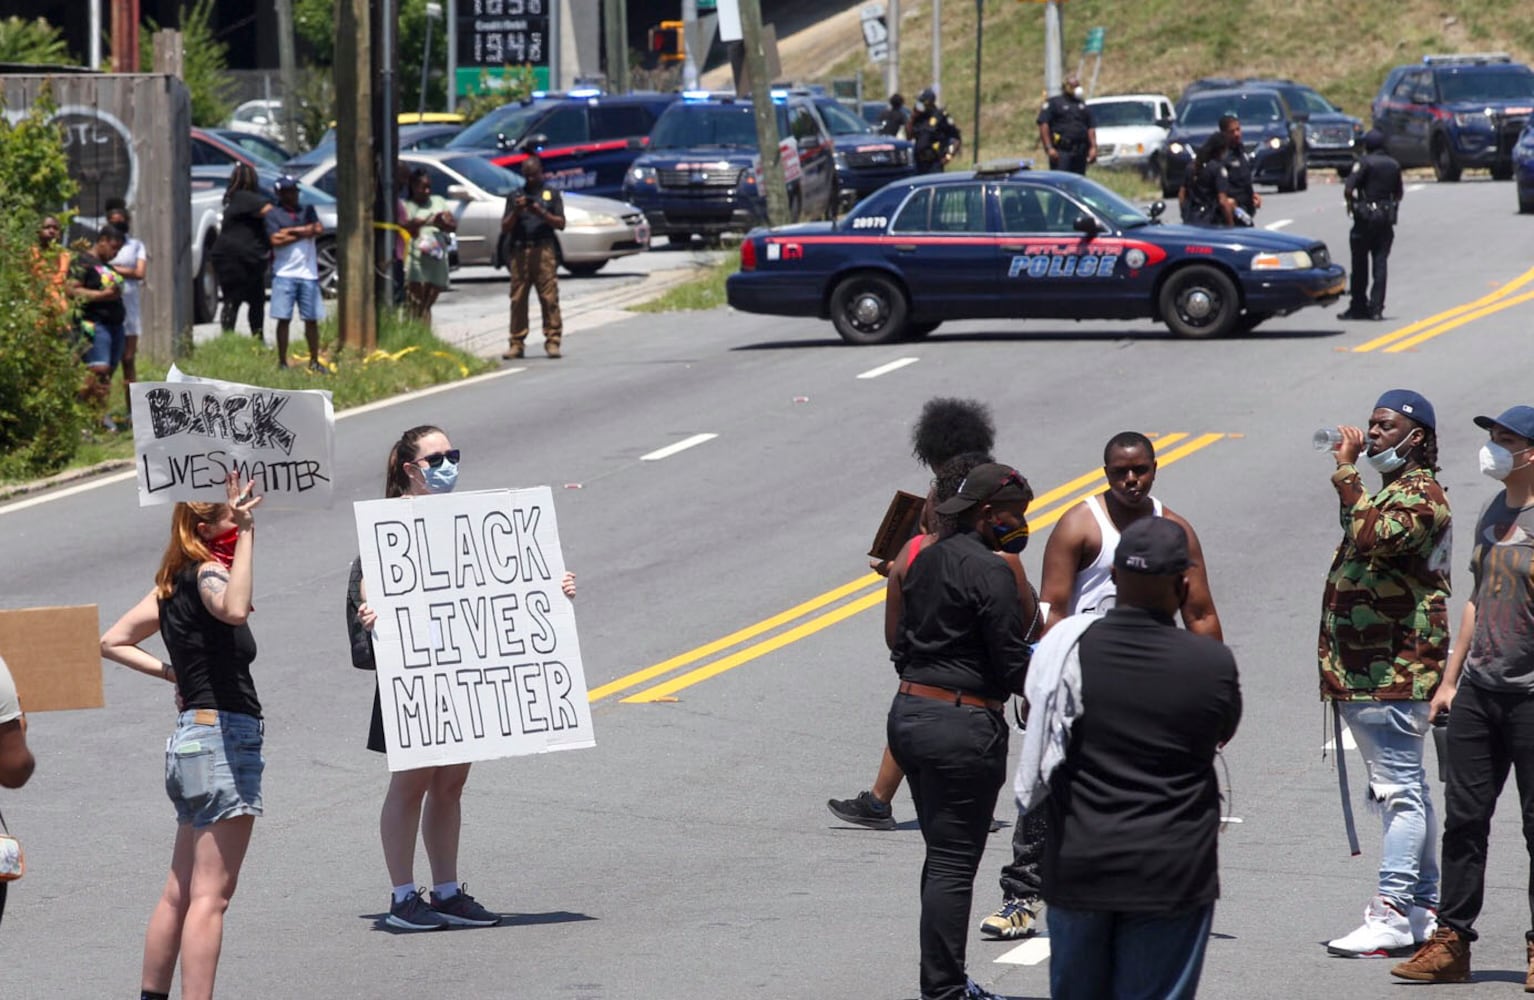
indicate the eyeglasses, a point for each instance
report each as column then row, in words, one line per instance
column 435, row 459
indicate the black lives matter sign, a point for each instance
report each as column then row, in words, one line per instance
column 503, row 32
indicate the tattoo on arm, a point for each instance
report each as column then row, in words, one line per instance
column 212, row 582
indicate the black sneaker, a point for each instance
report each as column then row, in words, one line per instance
column 865, row 810
column 1350, row 314
column 461, row 909
column 414, row 915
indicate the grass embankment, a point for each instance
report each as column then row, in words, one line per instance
column 1343, row 48
column 408, row 357
column 706, row 291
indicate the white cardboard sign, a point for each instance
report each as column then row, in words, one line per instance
column 475, row 643
column 190, row 433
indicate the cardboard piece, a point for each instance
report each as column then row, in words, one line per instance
column 54, row 655
column 901, row 521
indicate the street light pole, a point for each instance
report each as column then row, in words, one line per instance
column 937, row 47
column 433, row 12
column 979, row 35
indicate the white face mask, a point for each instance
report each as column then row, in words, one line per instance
column 1497, row 461
column 1079, row 93
column 1388, row 461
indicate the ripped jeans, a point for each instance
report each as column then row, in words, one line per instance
column 1392, row 737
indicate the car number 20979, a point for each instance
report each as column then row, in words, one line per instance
column 870, row 222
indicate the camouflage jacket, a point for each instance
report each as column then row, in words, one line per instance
column 1384, row 619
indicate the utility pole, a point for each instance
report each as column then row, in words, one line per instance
column 433, row 12
column 979, row 48
column 615, row 34
column 937, row 47
column 556, row 41
column 767, row 138
column 892, row 64
column 451, row 13
column 385, row 115
column 1054, row 56
column 287, row 69
column 357, row 318
column 95, row 30
column 125, row 15
column 689, row 58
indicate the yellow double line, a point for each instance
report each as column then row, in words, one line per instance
column 869, row 591
column 1410, row 336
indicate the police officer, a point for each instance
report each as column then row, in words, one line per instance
column 893, row 119
column 1234, row 173
column 1067, row 129
column 1202, row 201
column 1373, row 192
column 934, row 134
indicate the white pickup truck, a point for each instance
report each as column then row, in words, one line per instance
column 207, row 213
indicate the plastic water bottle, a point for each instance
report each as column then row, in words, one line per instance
column 1326, row 439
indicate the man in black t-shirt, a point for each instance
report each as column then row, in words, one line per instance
column 1373, row 192
column 1067, row 129
column 99, row 291
column 1131, row 869
column 894, row 119
column 533, row 217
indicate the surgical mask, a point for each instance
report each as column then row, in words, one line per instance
column 1010, row 540
column 1079, row 93
column 440, row 478
column 1496, row 461
column 1388, row 461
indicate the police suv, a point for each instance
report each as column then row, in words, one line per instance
column 1007, row 242
column 1456, row 112
column 702, row 172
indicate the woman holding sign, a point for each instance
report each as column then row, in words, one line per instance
column 423, row 461
column 213, row 763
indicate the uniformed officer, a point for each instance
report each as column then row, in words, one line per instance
column 1067, row 129
column 533, row 217
column 1201, row 198
column 934, row 134
column 1373, row 192
column 893, row 119
column 1235, row 173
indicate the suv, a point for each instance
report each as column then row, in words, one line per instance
column 586, row 139
column 1332, row 139
column 1274, row 136
column 1454, row 112
column 866, row 159
column 702, row 172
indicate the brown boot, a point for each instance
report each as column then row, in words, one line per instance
column 1528, row 978
column 551, row 348
column 512, row 353
column 1444, row 959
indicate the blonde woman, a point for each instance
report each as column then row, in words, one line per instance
column 199, row 606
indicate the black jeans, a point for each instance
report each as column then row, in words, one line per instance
column 1021, row 878
column 237, row 287
column 1370, row 243
column 955, row 761
column 1489, row 733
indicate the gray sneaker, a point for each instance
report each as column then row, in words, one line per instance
column 414, row 915
column 461, row 909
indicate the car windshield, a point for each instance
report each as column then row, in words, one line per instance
column 1112, row 114
column 484, row 175
column 1104, row 202
column 1307, row 100
column 1487, row 85
column 841, row 121
column 513, row 121
column 1205, row 112
column 687, row 125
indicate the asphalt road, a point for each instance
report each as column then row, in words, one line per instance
column 690, row 855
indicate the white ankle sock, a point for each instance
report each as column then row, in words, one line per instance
column 445, row 889
column 404, row 892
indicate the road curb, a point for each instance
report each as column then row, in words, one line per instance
column 64, row 478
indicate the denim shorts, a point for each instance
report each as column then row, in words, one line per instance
column 304, row 291
column 213, row 766
column 106, row 350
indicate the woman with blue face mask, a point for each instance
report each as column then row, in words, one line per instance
column 422, row 462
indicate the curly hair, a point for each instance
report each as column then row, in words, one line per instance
column 948, row 427
column 950, row 476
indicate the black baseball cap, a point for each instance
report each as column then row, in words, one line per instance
column 992, row 482
column 1155, row 546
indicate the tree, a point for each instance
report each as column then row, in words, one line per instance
column 33, row 42
column 314, row 24
column 205, row 63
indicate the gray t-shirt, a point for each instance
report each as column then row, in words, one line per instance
column 1502, row 563
column 10, row 706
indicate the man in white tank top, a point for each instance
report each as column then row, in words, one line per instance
column 1078, row 578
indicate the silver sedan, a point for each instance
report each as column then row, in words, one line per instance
column 596, row 231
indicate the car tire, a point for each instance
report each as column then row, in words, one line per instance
column 1525, row 204
column 325, row 257
column 868, row 308
column 205, row 288
column 916, row 331
column 1502, row 172
column 586, row 269
column 1199, row 301
column 1445, row 168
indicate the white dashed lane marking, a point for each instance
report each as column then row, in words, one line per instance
column 895, row 365
column 1030, row 952
column 672, row 449
column 1281, row 223
column 1415, row 187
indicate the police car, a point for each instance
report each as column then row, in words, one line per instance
column 702, row 172
column 1007, row 242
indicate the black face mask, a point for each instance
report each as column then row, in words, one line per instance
column 123, row 225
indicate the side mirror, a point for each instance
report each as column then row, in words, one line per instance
column 1164, row 122
column 457, row 192
column 1086, row 224
column 1156, row 209
column 636, row 142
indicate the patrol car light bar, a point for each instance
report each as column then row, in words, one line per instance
column 1468, row 59
column 1002, row 168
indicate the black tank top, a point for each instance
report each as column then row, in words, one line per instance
column 212, row 660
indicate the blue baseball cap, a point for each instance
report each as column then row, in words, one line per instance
column 1411, row 404
column 1518, row 419
column 286, row 181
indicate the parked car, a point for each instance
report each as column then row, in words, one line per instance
column 258, row 147
column 258, row 118
column 586, row 139
column 1333, row 139
column 702, row 173
column 596, row 231
column 865, row 160
column 1523, row 168
column 412, row 138
column 210, row 149
column 1273, row 134
column 1132, row 130
column 1456, row 112
column 217, row 178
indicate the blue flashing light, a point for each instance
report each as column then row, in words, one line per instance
column 587, row 92
column 539, row 95
column 696, row 95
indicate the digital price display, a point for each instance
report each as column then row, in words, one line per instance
column 503, row 32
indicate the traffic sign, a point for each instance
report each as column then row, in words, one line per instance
column 704, row 6
column 1094, row 43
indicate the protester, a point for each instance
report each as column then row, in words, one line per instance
column 1384, row 637
column 961, row 651
column 50, row 263
column 16, row 760
column 532, row 218
column 945, row 429
column 200, row 606
column 402, row 220
column 99, row 291
column 1126, row 714
column 241, row 252
column 131, row 263
column 291, row 229
column 1489, row 683
column 428, row 217
column 429, row 799
column 894, row 119
column 1078, row 579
